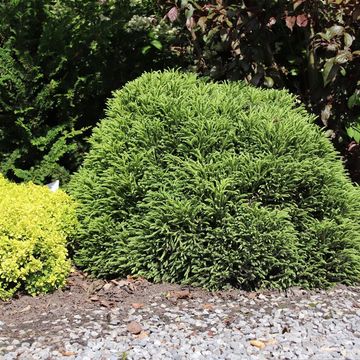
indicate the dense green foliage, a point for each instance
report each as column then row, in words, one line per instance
column 215, row 185
column 310, row 47
column 34, row 227
column 59, row 61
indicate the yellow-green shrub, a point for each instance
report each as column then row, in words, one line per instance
column 35, row 224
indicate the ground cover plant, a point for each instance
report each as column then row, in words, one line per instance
column 214, row 185
column 34, row 227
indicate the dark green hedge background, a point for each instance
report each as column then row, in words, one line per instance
column 60, row 61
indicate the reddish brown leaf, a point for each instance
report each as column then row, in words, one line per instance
column 106, row 303
column 252, row 295
column 190, row 23
column 182, row 294
column 353, row 145
column 271, row 22
column 290, row 21
column 208, row 307
column 121, row 283
column 137, row 305
column 228, row 321
column 134, row 327
column 302, row 20
column 173, row 14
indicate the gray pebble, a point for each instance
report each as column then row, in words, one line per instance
column 322, row 326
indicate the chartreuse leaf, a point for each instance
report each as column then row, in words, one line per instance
column 35, row 226
column 354, row 132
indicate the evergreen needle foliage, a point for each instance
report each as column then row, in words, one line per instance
column 215, row 185
column 59, row 61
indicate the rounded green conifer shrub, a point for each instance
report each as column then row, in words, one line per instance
column 34, row 227
column 215, row 185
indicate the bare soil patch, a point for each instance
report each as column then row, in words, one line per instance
column 82, row 295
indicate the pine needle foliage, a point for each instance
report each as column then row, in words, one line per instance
column 215, row 185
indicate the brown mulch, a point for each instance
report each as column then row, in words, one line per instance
column 85, row 303
column 83, row 294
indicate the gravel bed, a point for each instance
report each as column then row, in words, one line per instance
column 271, row 325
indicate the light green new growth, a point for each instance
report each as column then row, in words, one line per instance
column 215, row 185
column 34, row 227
